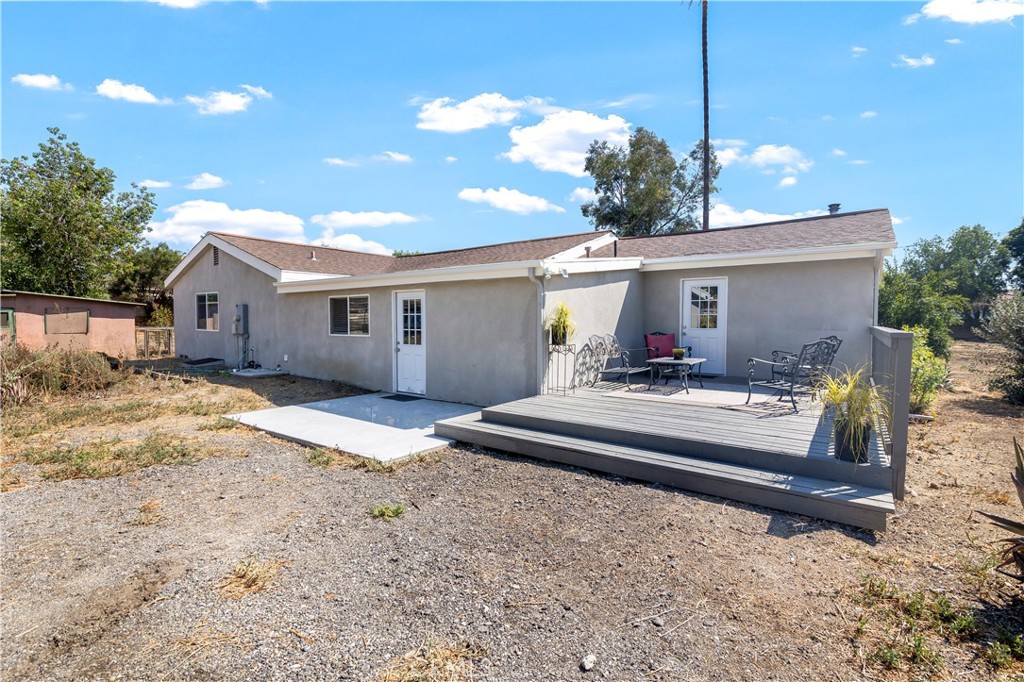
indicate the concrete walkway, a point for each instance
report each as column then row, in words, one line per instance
column 376, row 425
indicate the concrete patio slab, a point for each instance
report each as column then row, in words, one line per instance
column 380, row 426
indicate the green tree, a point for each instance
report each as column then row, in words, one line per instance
column 972, row 258
column 1014, row 245
column 642, row 190
column 930, row 302
column 142, row 281
column 1005, row 325
column 65, row 230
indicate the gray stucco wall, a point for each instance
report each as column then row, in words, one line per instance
column 778, row 307
column 480, row 336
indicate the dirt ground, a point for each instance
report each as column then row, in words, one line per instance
column 493, row 568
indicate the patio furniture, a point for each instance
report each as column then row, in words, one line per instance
column 613, row 359
column 676, row 367
column 794, row 372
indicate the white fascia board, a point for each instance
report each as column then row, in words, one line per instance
column 465, row 273
column 769, row 257
column 301, row 276
column 581, row 250
column 212, row 240
column 554, row 267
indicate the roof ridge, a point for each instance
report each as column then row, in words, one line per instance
column 771, row 222
column 291, row 243
column 514, row 241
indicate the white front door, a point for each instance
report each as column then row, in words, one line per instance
column 702, row 321
column 410, row 348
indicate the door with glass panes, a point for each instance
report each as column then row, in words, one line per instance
column 703, row 321
column 410, row 346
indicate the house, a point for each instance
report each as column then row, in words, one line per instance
column 37, row 321
column 468, row 325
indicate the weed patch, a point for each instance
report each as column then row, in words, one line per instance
column 322, row 457
column 149, row 512
column 387, row 512
column 219, row 424
column 249, row 576
column 103, row 458
column 452, row 662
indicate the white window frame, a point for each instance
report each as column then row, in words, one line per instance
column 206, row 302
column 348, row 310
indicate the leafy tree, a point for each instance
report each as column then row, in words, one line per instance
column 642, row 190
column 65, row 230
column 1014, row 245
column 1005, row 325
column 929, row 302
column 972, row 258
column 142, row 281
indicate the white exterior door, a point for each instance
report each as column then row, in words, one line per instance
column 702, row 321
column 410, row 348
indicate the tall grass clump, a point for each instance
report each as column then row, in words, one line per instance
column 26, row 374
column 1005, row 325
column 928, row 373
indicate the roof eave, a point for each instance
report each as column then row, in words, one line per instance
column 210, row 239
column 413, row 277
column 819, row 253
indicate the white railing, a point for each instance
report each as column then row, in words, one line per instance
column 891, row 352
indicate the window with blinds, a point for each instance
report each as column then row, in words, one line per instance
column 350, row 316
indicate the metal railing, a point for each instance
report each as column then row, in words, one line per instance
column 154, row 342
column 891, row 353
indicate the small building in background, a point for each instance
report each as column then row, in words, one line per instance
column 37, row 321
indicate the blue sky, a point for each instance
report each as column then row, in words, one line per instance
column 430, row 126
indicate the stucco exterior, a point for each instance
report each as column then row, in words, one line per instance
column 480, row 341
column 111, row 324
column 778, row 306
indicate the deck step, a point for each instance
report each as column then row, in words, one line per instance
column 783, row 445
column 856, row 505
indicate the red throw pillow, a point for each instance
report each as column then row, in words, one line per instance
column 662, row 345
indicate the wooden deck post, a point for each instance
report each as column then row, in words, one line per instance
column 892, row 351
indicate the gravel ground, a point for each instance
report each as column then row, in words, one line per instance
column 534, row 566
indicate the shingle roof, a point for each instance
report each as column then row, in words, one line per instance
column 290, row 256
column 859, row 227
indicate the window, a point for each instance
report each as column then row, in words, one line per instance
column 65, row 320
column 350, row 316
column 704, row 307
column 207, row 312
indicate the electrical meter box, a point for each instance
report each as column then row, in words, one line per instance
column 240, row 322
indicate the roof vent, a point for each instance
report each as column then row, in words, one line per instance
column 312, row 254
column 587, row 249
column 833, row 209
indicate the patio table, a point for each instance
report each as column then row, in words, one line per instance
column 669, row 367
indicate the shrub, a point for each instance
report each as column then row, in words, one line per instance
column 928, row 302
column 1005, row 326
column 25, row 374
column 162, row 316
column 928, row 373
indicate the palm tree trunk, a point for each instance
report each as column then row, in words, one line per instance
column 707, row 118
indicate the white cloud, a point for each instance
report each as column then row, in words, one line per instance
column 896, row 221
column 40, row 81
column 954, row 41
column 190, row 220
column 639, row 100
column 787, row 181
column 335, row 161
column 509, row 200
column 393, row 157
column 859, row 162
column 857, row 51
column 257, row 91
column 914, row 62
column 225, row 102
column 346, row 220
column 446, row 115
column 767, row 157
column 450, row 159
column 582, row 194
column 970, row 11
column 180, row 4
column 724, row 215
column 838, row 152
column 868, row 114
column 154, row 184
column 351, row 242
column 559, row 142
column 828, row 117
column 129, row 92
column 206, row 181
column 728, row 152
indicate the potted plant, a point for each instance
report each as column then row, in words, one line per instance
column 854, row 406
column 561, row 325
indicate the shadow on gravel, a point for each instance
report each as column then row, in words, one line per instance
column 990, row 407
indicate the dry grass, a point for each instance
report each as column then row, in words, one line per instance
column 108, row 457
column 198, row 645
column 249, row 576
column 149, row 512
column 434, row 662
column 9, row 480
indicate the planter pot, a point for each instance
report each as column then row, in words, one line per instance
column 852, row 450
column 558, row 337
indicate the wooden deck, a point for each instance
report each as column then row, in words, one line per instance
column 784, row 462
